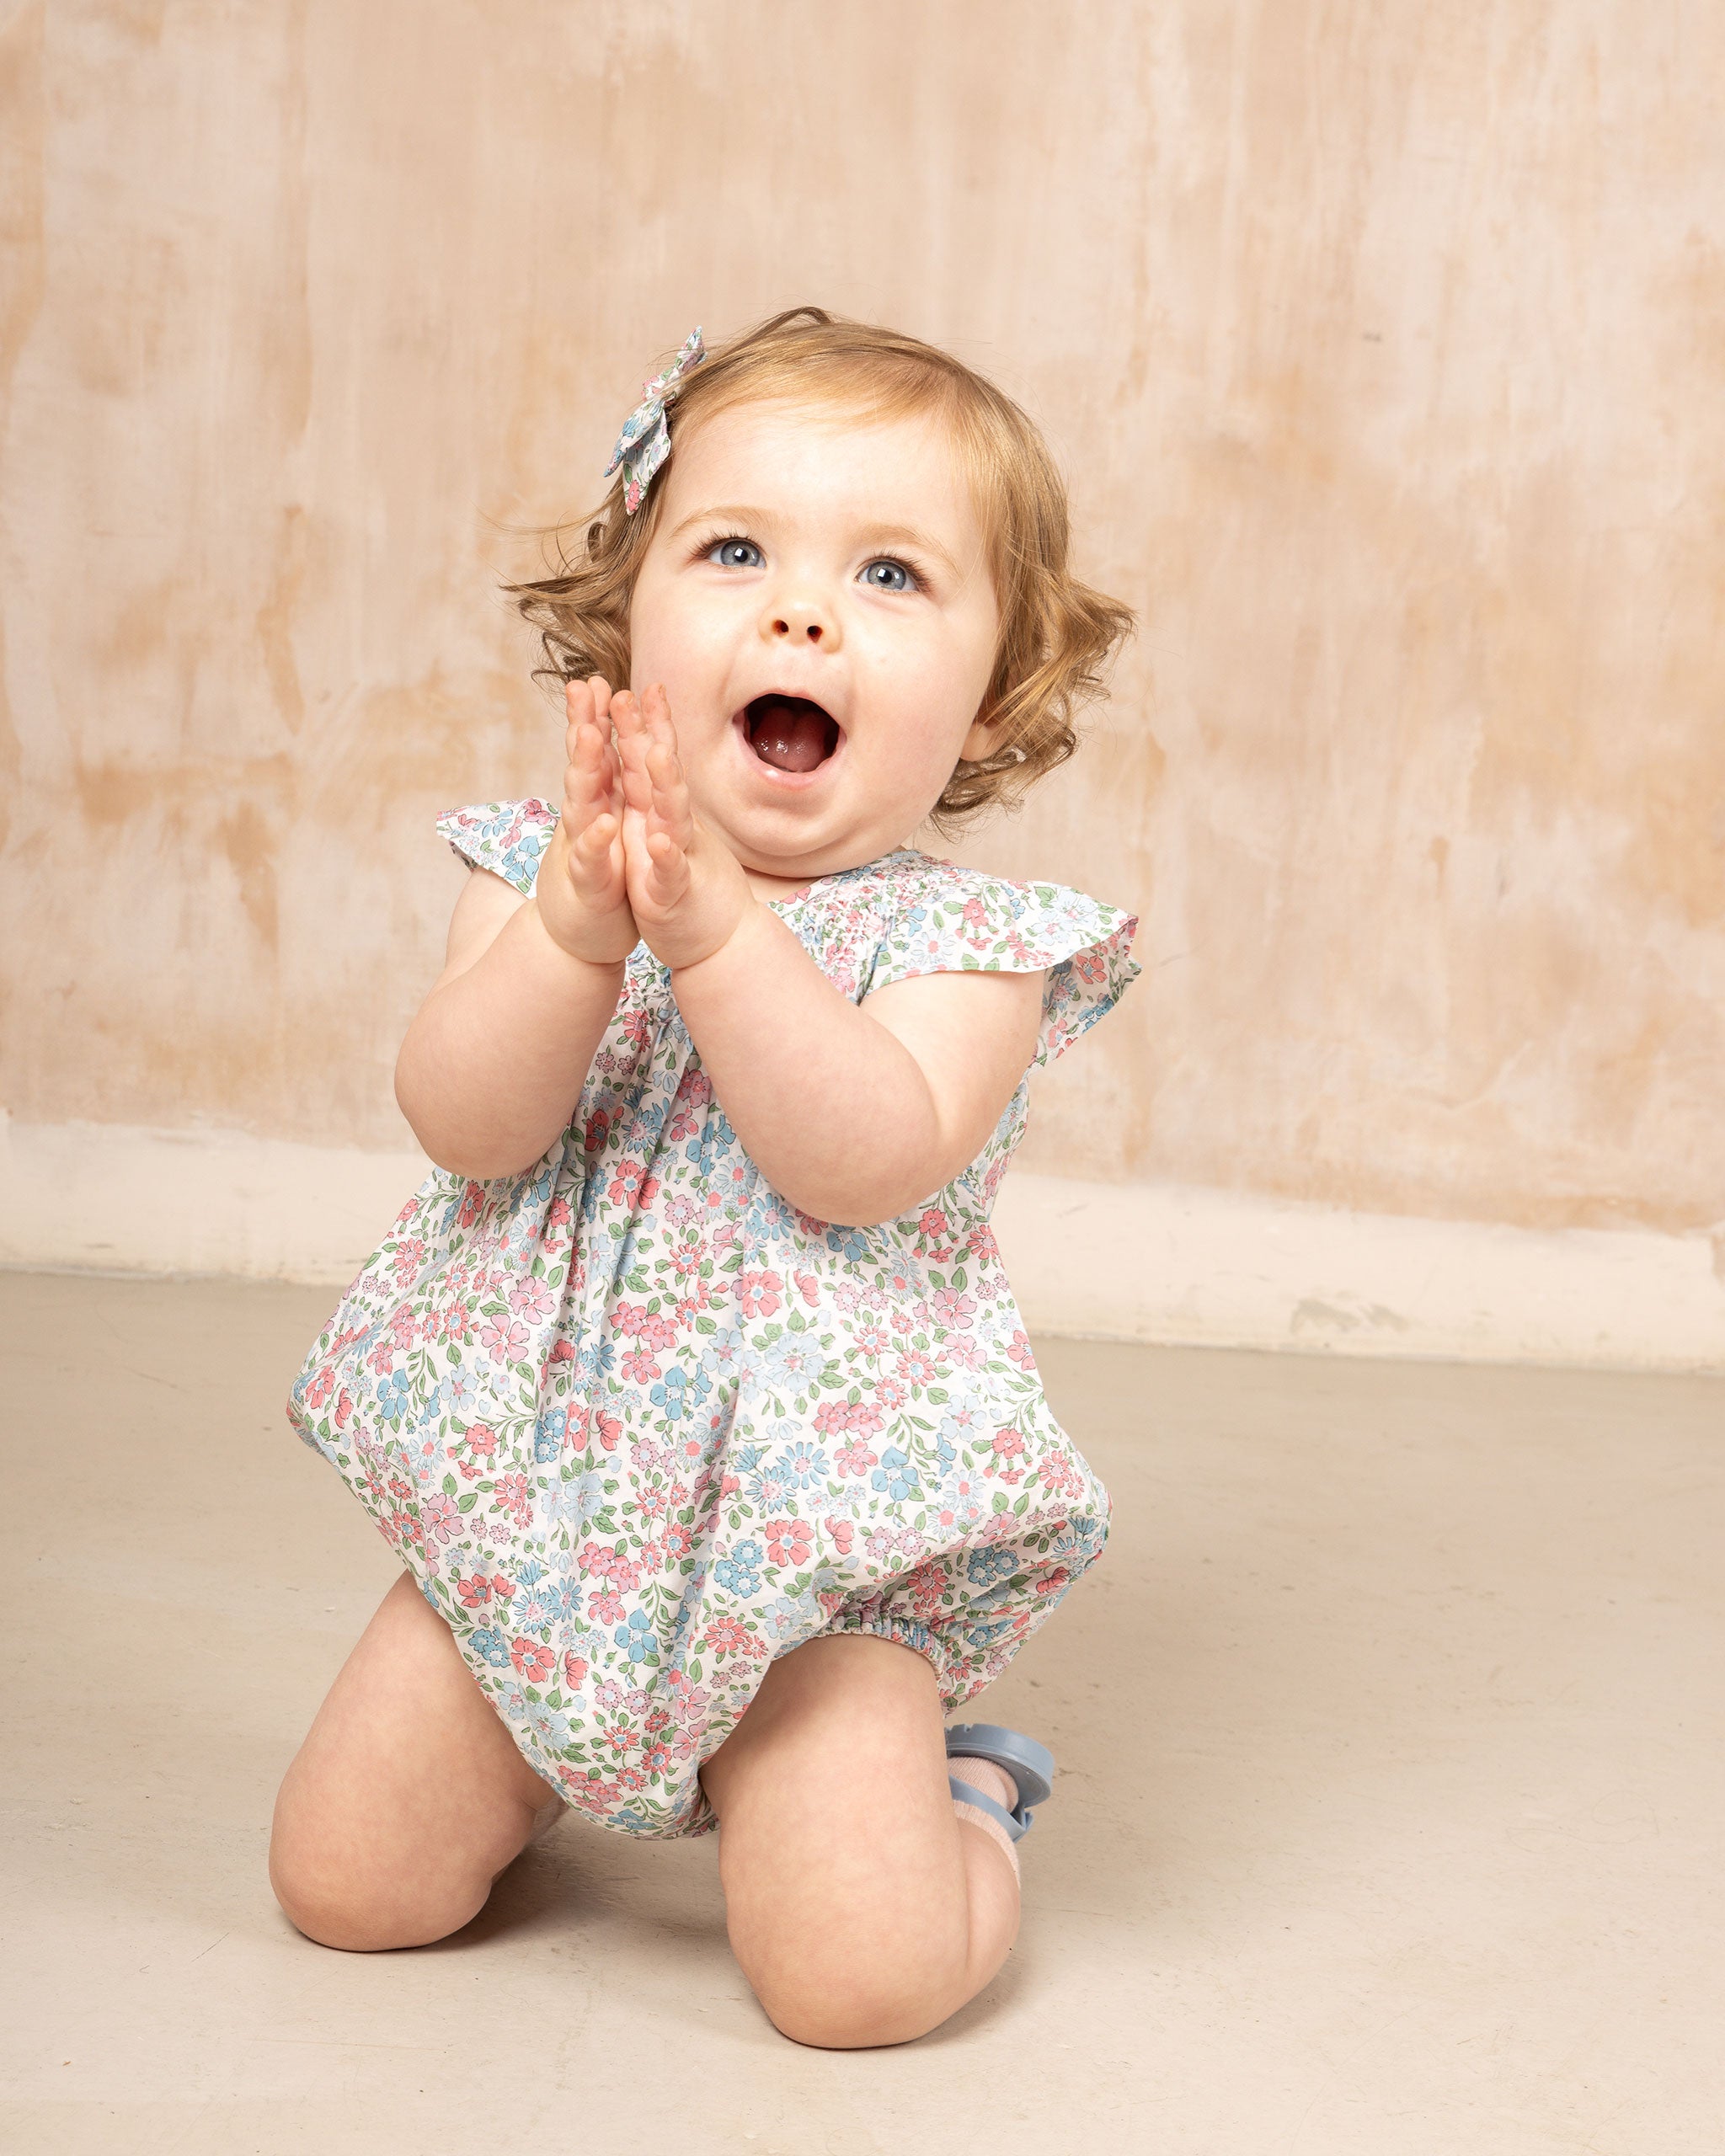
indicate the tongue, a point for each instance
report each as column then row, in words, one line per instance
column 790, row 736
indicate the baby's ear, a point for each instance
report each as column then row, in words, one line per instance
column 978, row 743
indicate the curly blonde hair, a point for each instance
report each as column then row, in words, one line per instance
column 1057, row 636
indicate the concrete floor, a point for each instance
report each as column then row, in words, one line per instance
column 1388, row 1822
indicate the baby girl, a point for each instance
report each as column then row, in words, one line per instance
column 690, row 1382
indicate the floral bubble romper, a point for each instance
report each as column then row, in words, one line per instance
column 636, row 1426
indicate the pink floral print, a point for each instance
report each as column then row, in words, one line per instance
column 636, row 1426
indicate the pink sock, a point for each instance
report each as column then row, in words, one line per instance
column 993, row 1781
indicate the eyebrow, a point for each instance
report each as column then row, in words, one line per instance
column 723, row 513
column 907, row 535
column 873, row 535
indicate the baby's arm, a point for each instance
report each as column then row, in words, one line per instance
column 852, row 1111
column 492, row 1067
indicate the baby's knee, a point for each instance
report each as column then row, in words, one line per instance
column 851, row 1990
column 336, row 1897
column 850, row 2016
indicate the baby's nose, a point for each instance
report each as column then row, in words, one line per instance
column 802, row 622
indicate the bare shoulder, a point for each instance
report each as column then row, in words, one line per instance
column 485, row 903
column 990, row 1017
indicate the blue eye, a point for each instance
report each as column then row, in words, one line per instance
column 736, row 554
column 887, row 575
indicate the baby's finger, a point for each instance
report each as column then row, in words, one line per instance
column 601, row 697
column 655, row 715
column 668, row 868
column 612, row 778
column 631, row 744
column 670, row 812
column 578, row 711
column 590, row 867
column 625, row 710
column 586, row 777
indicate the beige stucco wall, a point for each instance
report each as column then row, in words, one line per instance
column 1384, row 346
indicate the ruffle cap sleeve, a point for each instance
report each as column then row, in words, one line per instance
column 953, row 920
column 507, row 837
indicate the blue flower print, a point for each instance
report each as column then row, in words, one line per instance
column 521, row 864
column 636, row 1638
column 577, row 1498
column 690, row 1612
column 989, row 1563
column 803, row 1464
column 489, row 1644
column 551, row 1728
column 680, row 1392
column 790, row 1364
column 765, row 1218
column 393, row 1398
column 457, row 1394
column 724, row 1357
column 896, row 1475
column 425, row 1457
column 964, row 1425
column 563, row 1597
column 741, row 1572
column 787, row 1617
column 770, row 1489
column 548, row 1434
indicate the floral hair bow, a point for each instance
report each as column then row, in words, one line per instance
column 645, row 443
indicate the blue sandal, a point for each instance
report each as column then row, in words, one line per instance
column 1030, row 1764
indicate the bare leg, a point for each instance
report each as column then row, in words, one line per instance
column 862, row 1910
column 408, row 1795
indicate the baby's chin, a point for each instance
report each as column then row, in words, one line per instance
column 773, row 846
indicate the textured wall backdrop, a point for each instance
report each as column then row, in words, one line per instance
column 1383, row 345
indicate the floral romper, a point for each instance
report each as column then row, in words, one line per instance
column 636, row 1425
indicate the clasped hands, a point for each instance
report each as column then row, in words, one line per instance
column 628, row 861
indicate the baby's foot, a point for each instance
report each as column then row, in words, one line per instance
column 995, row 1776
column 994, row 1784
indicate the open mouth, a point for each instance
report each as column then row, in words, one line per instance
column 789, row 733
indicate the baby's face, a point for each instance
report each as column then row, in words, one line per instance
column 816, row 600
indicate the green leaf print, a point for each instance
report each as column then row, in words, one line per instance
column 449, row 1486
column 466, row 1504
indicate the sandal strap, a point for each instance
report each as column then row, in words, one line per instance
column 962, row 1793
column 1030, row 1764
